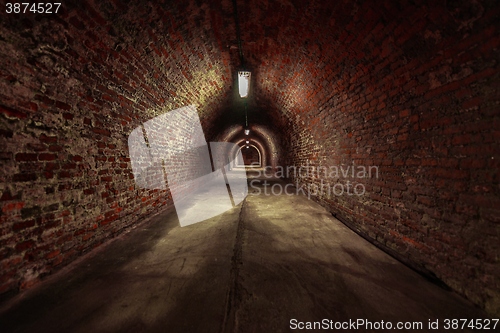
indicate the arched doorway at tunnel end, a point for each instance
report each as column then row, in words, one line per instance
column 250, row 157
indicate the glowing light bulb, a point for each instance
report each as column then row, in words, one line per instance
column 243, row 83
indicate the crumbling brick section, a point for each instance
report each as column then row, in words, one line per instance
column 73, row 86
column 412, row 90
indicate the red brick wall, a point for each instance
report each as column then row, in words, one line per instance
column 411, row 89
column 73, row 86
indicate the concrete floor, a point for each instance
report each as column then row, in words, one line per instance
column 252, row 269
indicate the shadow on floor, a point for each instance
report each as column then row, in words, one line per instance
column 256, row 267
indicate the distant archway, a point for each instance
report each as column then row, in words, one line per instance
column 261, row 136
column 250, row 157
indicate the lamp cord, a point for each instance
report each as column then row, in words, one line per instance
column 246, row 114
column 238, row 33
column 240, row 51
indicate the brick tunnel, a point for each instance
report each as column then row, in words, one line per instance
column 368, row 146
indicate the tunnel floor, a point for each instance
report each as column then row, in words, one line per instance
column 256, row 268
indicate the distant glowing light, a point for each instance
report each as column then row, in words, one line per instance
column 247, row 142
column 243, row 83
column 248, row 146
column 247, row 131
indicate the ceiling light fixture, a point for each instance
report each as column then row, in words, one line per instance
column 244, row 83
column 244, row 75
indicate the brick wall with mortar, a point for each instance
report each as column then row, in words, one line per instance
column 410, row 88
column 73, row 86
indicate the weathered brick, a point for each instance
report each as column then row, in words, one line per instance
column 12, row 113
column 21, row 157
column 48, row 139
column 416, row 97
column 47, row 157
column 55, row 148
column 24, row 177
column 23, row 225
column 25, row 245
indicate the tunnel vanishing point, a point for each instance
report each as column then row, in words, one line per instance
column 408, row 90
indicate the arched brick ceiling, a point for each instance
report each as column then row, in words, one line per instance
column 307, row 56
column 408, row 86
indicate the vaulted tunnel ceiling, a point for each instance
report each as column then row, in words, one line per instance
column 301, row 53
column 408, row 86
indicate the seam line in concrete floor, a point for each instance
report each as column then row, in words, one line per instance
column 234, row 296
